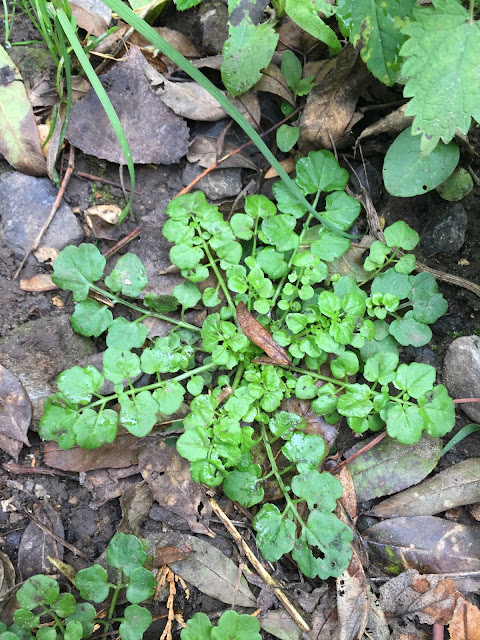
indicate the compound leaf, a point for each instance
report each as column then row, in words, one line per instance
column 442, row 52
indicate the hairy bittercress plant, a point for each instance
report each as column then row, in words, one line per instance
column 342, row 340
column 41, row 602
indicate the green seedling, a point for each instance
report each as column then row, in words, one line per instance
column 42, row 602
column 231, row 626
column 269, row 260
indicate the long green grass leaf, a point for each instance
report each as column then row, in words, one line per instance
column 104, row 99
column 463, row 433
column 152, row 36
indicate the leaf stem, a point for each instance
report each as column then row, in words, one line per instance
column 219, row 277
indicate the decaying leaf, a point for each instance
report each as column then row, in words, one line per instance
column 135, row 504
column 102, row 220
column 203, row 151
column 331, row 104
column 351, row 263
column 107, row 484
column 377, row 626
column 288, row 165
column 273, row 81
column 315, row 424
column 46, row 254
column 429, row 597
column 40, row 282
column 168, row 476
column 190, row 100
column 394, row 123
column 249, row 106
column 178, row 40
column 348, row 498
column 279, row 623
column 155, row 134
column 325, row 619
column 7, row 581
column 465, row 623
column 260, row 336
column 36, row 545
column 353, row 603
column 15, row 413
column 452, row 487
column 92, row 15
column 170, row 553
column 206, row 568
column 19, row 140
column 428, row 543
column 389, row 466
column 121, row 453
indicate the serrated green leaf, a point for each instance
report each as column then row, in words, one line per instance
column 442, row 51
column 129, row 277
column 373, row 27
column 93, row 429
column 139, row 413
column 77, row 385
column 407, row 331
column 305, row 14
column 406, row 173
column 126, row 335
column 119, row 365
column 141, row 585
column 248, row 50
column 320, row 490
column 57, row 424
column 91, row 318
column 416, row 378
column 275, row 534
column 404, row 423
column 439, row 412
column 320, row 171
column 92, row 583
column 399, row 234
column 287, row 137
column 169, row 397
column 77, row 268
column 136, row 621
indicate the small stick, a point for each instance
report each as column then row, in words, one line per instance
column 15, row 467
column 438, row 631
column 259, row 568
column 90, row 176
column 232, row 153
column 53, row 535
column 462, row 400
column 121, row 243
column 368, row 446
column 56, row 204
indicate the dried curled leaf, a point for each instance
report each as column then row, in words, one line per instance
column 261, row 337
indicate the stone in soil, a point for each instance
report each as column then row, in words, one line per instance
column 25, row 204
column 214, row 26
column 38, row 351
column 216, row 185
column 461, row 373
column 445, row 232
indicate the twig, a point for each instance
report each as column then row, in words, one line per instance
column 475, row 178
column 121, row 243
column 232, row 153
column 462, row 400
column 259, row 568
column 53, row 535
column 438, row 631
column 56, row 204
column 90, row 176
column 368, row 446
column 15, row 467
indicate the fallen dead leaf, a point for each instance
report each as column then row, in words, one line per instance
column 190, row 100
column 40, row 282
column 92, row 15
column 348, row 498
column 8, row 604
column 273, row 81
column 102, row 220
column 465, row 623
column 15, row 413
column 423, row 542
column 249, row 106
column 288, row 165
column 46, row 254
column 331, row 104
column 135, row 504
column 155, row 134
column 36, row 545
column 452, row 487
column 19, row 140
column 108, row 484
column 315, row 424
column 168, row 476
column 261, row 337
column 393, row 124
column 353, row 603
column 428, row 597
column 203, row 151
column 170, row 553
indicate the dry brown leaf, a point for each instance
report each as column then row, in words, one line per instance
column 331, row 104
column 168, row 476
column 353, row 603
column 102, row 220
column 349, row 498
column 36, row 545
column 46, row 254
column 8, row 604
column 273, row 81
column 203, row 151
column 315, row 424
column 288, row 165
column 465, row 623
column 428, row 597
column 92, row 15
column 40, row 282
column 249, row 107
column 108, row 484
column 190, row 100
column 171, row 553
column 394, row 123
column 15, row 413
column 135, row 504
column 261, row 337
column 211, row 62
